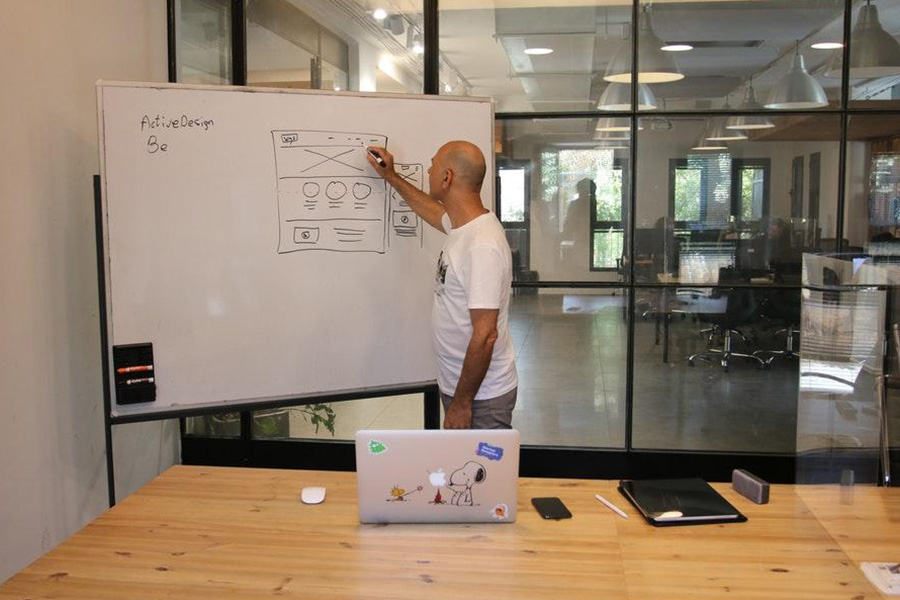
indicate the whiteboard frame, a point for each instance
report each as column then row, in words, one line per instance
column 130, row 413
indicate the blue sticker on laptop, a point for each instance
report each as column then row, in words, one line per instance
column 489, row 452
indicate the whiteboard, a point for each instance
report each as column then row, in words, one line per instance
column 248, row 239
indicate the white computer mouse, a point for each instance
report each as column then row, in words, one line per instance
column 312, row 495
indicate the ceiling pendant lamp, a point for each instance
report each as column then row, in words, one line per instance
column 654, row 65
column 703, row 144
column 797, row 89
column 615, row 124
column 718, row 132
column 617, row 97
column 746, row 122
column 873, row 51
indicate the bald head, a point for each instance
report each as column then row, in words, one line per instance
column 466, row 161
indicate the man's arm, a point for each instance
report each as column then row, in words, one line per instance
column 475, row 366
column 422, row 204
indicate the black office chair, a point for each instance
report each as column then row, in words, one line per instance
column 782, row 306
column 740, row 309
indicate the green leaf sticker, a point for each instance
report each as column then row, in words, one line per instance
column 376, row 447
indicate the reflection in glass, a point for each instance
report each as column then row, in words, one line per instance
column 340, row 420
column 732, row 45
column 723, row 403
column 568, row 178
column 203, row 45
column 534, row 57
column 841, row 361
column 316, row 44
column 872, row 205
column 753, row 205
column 570, row 355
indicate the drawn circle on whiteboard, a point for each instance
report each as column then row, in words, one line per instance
column 404, row 219
column 336, row 190
column 361, row 191
column 311, row 189
column 305, row 235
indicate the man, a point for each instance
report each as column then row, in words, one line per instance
column 470, row 316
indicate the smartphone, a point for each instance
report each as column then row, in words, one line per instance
column 551, row 508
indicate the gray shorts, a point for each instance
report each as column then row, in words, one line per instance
column 492, row 413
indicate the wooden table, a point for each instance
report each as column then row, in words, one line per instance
column 204, row 532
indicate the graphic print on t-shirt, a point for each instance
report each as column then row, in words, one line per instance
column 441, row 276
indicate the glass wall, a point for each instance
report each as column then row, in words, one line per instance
column 661, row 209
column 533, row 57
column 319, row 44
column 203, row 41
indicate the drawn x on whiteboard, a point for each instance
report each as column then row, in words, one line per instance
column 409, row 177
column 330, row 159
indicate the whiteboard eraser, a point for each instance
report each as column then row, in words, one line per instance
column 750, row 486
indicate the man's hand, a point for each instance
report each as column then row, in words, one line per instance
column 458, row 416
column 387, row 171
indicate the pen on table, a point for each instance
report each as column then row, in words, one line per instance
column 610, row 506
column 377, row 158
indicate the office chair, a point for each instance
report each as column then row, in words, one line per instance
column 783, row 306
column 740, row 309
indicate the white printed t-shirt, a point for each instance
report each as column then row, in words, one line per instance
column 474, row 271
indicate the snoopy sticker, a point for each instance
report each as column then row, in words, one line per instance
column 462, row 480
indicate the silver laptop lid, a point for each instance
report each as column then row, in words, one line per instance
column 437, row 476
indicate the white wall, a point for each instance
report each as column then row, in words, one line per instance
column 52, row 458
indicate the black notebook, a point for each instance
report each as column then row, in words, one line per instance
column 679, row 502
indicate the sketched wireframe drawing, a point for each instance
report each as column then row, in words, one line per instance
column 405, row 224
column 329, row 198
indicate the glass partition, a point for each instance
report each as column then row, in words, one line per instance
column 203, row 43
column 743, row 204
column 569, row 180
column 571, row 350
column 756, row 55
column 533, row 57
column 319, row 44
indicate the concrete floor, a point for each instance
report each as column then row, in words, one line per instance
column 571, row 357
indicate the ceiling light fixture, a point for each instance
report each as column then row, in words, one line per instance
column 380, row 14
column 617, row 96
column 718, row 133
column 654, row 66
column 746, row 122
column 417, row 46
column 676, row 47
column 395, row 24
column 538, row 51
column 611, row 124
column 704, row 145
column 827, row 45
column 873, row 51
column 797, row 89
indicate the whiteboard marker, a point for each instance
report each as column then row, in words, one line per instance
column 135, row 369
column 136, row 381
column 377, row 158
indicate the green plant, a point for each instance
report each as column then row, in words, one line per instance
column 318, row 414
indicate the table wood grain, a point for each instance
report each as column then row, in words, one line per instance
column 205, row 532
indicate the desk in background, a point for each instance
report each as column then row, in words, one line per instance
column 212, row 533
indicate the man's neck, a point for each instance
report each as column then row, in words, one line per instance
column 464, row 209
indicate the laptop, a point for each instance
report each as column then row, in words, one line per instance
column 437, row 476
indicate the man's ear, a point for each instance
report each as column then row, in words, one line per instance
column 448, row 178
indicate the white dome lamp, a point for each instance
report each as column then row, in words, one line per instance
column 617, row 97
column 873, row 51
column 798, row 89
column 654, row 65
column 746, row 122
